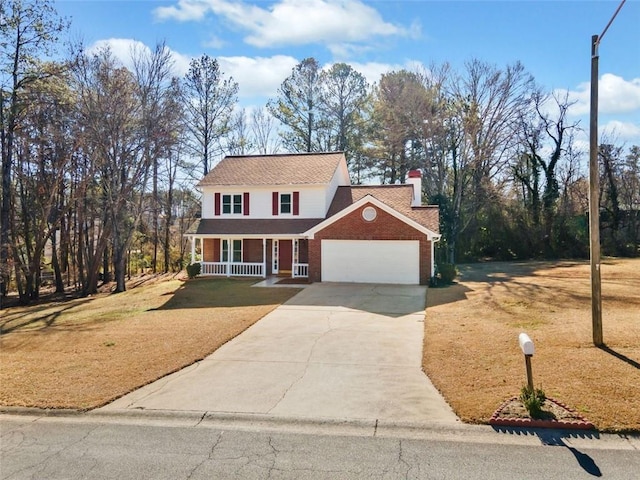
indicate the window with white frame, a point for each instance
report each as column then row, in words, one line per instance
column 285, row 203
column 231, row 204
column 236, row 253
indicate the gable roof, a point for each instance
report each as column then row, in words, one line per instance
column 432, row 235
column 398, row 197
column 281, row 169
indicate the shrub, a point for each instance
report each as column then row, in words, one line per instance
column 193, row 270
column 447, row 273
column 532, row 400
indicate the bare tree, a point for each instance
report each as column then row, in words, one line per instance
column 28, row 29
column 42, row 154
column 238, row 141
column 492, row 100
column 263, row 129
column 161, row 113
column 114, row 135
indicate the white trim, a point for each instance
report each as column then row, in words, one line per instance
column 262, row 185
column 431, row 235
column 283, row 236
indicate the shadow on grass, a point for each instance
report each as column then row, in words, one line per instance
column 620, row 356
column 447, row 294
column 555, row 438
column 27, row 319
column 224, row 292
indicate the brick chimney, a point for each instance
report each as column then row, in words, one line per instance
column 414, row 177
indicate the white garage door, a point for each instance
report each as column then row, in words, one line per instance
column 371, row 261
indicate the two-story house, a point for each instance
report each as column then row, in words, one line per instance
column 298, row 215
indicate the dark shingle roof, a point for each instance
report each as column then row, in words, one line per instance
column 286, row 169
column 240, row 226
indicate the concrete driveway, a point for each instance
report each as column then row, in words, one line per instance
column 334, row 351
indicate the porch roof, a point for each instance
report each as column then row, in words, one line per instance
column 254, row 227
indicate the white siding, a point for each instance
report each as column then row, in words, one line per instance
column 207, row 204
column 340, row 179
column 312, row 201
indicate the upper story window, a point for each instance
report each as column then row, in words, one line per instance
column 285, row 203
column 232, row 204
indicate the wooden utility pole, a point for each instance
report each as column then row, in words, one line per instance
column 594, row 201
column 594, row 191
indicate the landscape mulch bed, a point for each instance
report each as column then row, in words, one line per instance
column 293, row 281
column 513, row 413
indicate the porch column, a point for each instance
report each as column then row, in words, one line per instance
column 295, row 257
column 229, row 255
column 193, row 249
column 264, row 258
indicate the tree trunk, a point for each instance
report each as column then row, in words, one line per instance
column 56, row 264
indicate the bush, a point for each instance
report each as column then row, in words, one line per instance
column 532, row 400
column 193, row 270
column 447, row 273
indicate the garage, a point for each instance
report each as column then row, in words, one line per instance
column 371, row 261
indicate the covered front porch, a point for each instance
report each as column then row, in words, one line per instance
column 232, row 256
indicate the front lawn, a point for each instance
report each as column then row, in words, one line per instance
column 471, row 350
column 84, row 353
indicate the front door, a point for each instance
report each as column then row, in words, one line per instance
column 285, row 255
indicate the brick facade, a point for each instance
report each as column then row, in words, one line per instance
column 354, row 227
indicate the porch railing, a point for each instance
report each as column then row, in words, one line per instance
column 300, row 270
column 243, row 269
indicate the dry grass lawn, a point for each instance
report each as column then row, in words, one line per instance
column 471, row 350
column 84, row 353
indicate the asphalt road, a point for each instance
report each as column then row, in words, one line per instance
column 188, row 447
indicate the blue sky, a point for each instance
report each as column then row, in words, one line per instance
column 258, row 42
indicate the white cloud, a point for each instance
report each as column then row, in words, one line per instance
column 214, row 42
column 258, row 76
column 123, row 48
column 623, row 131
column 294, row 22
column 615, row 95
column 183, row 11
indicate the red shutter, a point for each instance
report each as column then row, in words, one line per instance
column 217, row 203
column 296, row 203
column 274, row 203
column 246, row 203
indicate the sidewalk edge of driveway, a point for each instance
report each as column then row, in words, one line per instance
column 460, row 432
